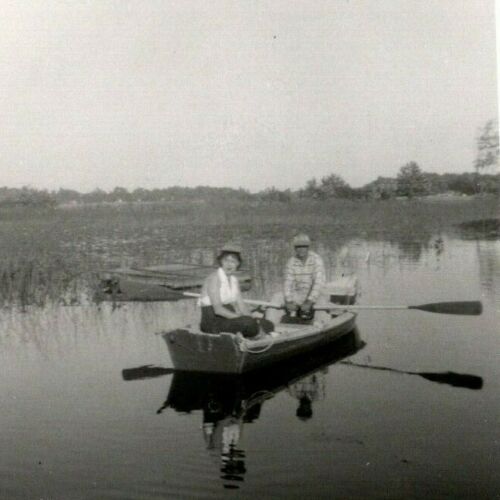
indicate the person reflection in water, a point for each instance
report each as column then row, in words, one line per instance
column 304, row 410
column 222, row 437
column 306, row 391
column 222, row 431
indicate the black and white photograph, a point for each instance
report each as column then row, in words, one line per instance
column 249, row 249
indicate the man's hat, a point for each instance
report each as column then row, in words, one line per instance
column 301, row 240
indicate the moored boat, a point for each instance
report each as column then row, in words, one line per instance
column 157, row 283
column 192, row 350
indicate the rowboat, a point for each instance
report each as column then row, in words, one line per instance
column 157, row 283
column 193, row 350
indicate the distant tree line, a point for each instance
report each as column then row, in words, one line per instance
column 26, row 197
column 410, row 182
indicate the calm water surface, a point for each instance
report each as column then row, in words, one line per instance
column 75, row 426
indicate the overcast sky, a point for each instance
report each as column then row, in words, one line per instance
column 249, row 93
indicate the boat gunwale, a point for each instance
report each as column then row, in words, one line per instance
column 288, row 336
column 302, row 331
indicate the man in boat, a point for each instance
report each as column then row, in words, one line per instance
column 222, row 306
column 304, row 283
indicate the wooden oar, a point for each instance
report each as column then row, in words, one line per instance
column 466, row 308
column 451, row 378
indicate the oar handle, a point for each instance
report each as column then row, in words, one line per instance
column 252, row 302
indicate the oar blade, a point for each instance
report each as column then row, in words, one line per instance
column 145, row 371
column 454, row 379
column 467, row 308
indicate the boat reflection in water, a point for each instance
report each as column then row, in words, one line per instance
column 228, row 402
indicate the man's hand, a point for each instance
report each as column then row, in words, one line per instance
column 307, row 306
column 290, row 306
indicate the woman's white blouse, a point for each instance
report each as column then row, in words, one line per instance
column 229, row 289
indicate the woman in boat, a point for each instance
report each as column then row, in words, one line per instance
column 222, row 306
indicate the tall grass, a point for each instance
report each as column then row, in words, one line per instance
column 57, row 255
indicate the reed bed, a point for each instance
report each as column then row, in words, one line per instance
column 56, row 256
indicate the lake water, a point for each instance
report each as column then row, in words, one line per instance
column 75, row 426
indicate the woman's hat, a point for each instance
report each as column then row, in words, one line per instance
column 230, row 248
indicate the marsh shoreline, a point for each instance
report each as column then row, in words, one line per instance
column 52, row 255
